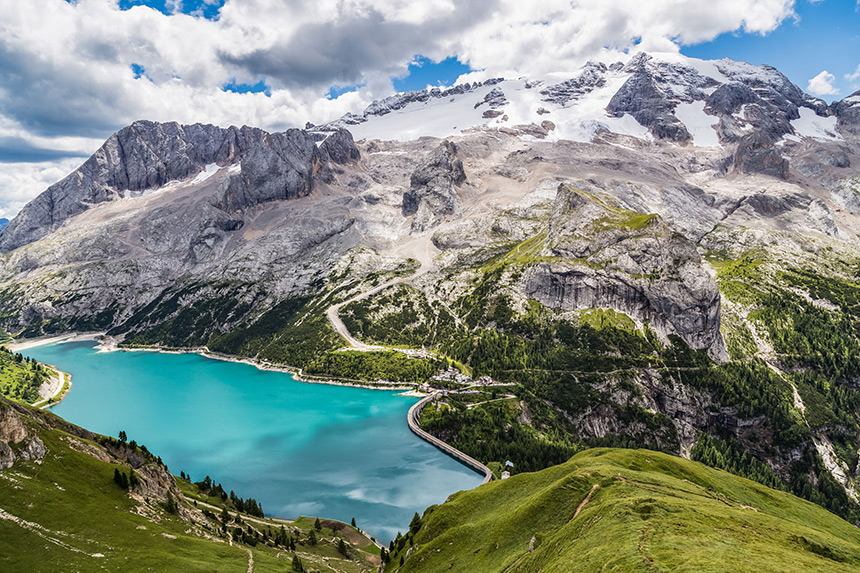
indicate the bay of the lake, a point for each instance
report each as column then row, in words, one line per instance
column 299, row 449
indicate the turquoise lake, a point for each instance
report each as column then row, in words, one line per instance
column 299, row 449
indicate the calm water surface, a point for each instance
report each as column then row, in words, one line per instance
column 299, row 449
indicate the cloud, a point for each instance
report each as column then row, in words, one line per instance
column 343, row 50
column 20, row 182
column 822, row 84
column 856, row 75
column 67, row 82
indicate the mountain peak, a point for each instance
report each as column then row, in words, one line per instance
column 148, row 155
column 654, row 97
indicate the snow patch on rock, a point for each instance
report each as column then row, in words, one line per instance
column 811, row 125
column 698, row 123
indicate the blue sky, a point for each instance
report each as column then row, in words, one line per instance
column 825, row 36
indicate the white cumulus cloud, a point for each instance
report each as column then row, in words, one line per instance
column 822, row 84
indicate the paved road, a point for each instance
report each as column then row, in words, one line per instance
column 412, row 419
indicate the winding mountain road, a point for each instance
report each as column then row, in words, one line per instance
column 334, row 317
column 420, row 249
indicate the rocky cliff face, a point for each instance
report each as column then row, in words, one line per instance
column 16, row 442
column 433, row 186
column 653, row 107
column 606, row 257
column 757, row 153
column 147, row 155
column 848, row 112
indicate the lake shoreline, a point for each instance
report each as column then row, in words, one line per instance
column 109, row 344
column 257, row 429
column 61, row 385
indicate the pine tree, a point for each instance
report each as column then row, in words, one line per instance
column 120, row 479
column 133, row 480
column 317, row 524
column 353, row 523
column 171, row 506
column 341, row 547
column 415, row 524
column 312, row 537
column 297, row 564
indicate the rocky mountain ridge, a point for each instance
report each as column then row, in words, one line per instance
column 147, row 155
column 669, row 96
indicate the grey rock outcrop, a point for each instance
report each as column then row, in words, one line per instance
column 495, row 99
column 757, row 153
column 593, row 76
column 433, row 186
column 728, row 98
column 820, row 161
column 13, row 431
column 339, row 148
column 604, row 256
column 147, row 155
column 11, row 428
column 641, row 97
column 753, row 98
column 848, row 113
column 280, row 167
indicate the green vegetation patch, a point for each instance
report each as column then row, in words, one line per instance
column 625, row 510
column 400, row 315
column 600, row 318
column 390, row 365
column 20, row 377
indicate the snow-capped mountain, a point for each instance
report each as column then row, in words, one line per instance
column 656, row 97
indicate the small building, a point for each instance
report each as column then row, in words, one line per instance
column 506, row 474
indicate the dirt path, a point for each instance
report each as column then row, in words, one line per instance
column 334, row 318
column 271, row 520
column 531, row 545
column 508, row 397
column 52, row 393
column 584, row 501
column 250, row 561
column 44, row 533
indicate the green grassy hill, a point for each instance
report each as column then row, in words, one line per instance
column 627, row 510
column 61, row 509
